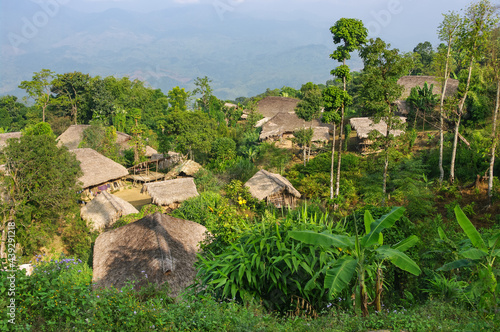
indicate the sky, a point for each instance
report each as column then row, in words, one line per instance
column 402, row 23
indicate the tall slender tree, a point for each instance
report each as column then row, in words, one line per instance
column 383, row 67
column 350, row 33
column 447, row 32
column 474, row 32
column 334, row 98
column 494, row 64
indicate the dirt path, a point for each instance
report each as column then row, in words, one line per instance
column 133, row 196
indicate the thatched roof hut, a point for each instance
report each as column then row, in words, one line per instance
column 274, row 188
column 72, row 137
column 157, row 248
column 287, row 123
column 364, row 126
column 97, row 169
column 270, row 106
column 168, row 192
column 409, row 82
column 104, row 210
column 186, row 168
column 4, row 137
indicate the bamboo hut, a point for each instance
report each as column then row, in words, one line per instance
column 171, row 192
column 72, row 137
column 273, row 188
column 364, row 126
column 166, row 161
column 283, row 125
column 157, row 248
column 409, row 82
column 99, row 172
column 272, row 105
column 104, row 210
column 5, row 136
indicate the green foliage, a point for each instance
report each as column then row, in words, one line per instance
column 267, row 265
column 309, row 107
column 41, row 128
column 352, row 33
column 146, row 210
column 42, row 187
column 101, row 139
column 273, row 158
column 481, row 254
column 58, row 293
column 223, row 153
column 223, row 220
column 358, row 252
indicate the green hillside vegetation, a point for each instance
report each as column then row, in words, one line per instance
column 403, row 235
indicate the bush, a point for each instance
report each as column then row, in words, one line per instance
column 266, row 265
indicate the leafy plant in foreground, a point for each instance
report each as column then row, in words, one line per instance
column 481, row 255
column 358, row 253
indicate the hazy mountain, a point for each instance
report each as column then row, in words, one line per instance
column 242, row 55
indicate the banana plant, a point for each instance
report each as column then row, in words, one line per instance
column 481, row 254
column 357, row 252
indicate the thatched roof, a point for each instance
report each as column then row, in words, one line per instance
column 158, row 246
column 230, row 105
column 188, row 167
column 170, row 191
column 283, row 123
column 364, row 126
column 270, row 106
column 150, row 151
column 72, row 137
column 104, row 210
column 409, row 82
column 4, row 137
column 96, row 168
column 264, row 184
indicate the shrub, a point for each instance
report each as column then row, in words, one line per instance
column 266, row 265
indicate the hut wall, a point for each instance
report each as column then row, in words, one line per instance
column 281, row 200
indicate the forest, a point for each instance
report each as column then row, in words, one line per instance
column 395, row 230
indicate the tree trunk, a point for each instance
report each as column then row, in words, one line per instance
column 304, row 148
column 460, row 112
column 386, row 167
column 493, row 144
column 454, row 150
column 441, row 115
column 339, row 162
column 333, row 160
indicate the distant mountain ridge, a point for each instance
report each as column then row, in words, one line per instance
column 242, row 55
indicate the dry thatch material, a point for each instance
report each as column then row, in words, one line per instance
column 4, row 137
column 272, row 187
column 270, row 106
column 72, row 137
column 150, row 151
column 104, row 210
column 230, row 105
column 96, row 168
column 188, row 168
column 364, row 126
column 157, row 248
column 287, row 123
column 170, row 191
column 409, row 82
